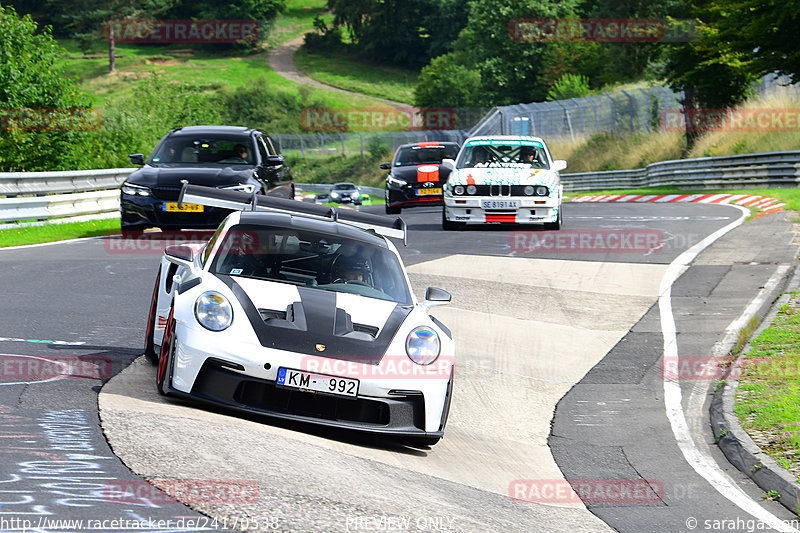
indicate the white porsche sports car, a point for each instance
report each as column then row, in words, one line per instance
column 503, row 179
column 302, row 312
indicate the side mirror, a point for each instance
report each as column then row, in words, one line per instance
column 386, row 166
column 137, row 159
column 449, row 163
column 180, row 254
column 274, row 160
column 435, row 297
column 559, row 164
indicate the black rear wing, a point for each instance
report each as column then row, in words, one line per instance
column 239, row 201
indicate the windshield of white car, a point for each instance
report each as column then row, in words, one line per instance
column 315, row 260
column 502, row 156
column 183, row 150
column 416, row 155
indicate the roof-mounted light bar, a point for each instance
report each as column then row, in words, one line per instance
column 239, row 201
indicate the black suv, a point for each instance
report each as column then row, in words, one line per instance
column 226, row 157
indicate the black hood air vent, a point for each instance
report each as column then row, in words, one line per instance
column 267, row 314
column 365, row 328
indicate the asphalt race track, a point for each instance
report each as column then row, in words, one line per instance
column 559, row 338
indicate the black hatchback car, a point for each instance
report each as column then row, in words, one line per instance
column 415, row 175
column 226, row 157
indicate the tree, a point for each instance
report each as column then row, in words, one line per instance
column 711, row 73
column 446, row 83
column 511, row 70
column 45, row 117
column 763, row 31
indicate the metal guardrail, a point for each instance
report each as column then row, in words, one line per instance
column 48, row 195
column 772, row 169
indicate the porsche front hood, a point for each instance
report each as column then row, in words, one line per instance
column 318, row 322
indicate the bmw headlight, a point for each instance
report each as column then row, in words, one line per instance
column 471, row 189
column 529, row 190
column 135, row 190
column 459, row 190
column 213, row 311
column 542, row 191
column 422, row 345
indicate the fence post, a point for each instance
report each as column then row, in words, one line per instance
column 302, row 151
column 630, row 107
column 360, row 136
column 344, row 154
column 613, row 112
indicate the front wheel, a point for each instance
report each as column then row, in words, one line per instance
column 149, row 343
column 554, row 225
column 448, row 225
column 164, row 376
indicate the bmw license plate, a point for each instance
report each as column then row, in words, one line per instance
column 312, row 382
column 500, row 204
column 425, row 192
column 172, row 207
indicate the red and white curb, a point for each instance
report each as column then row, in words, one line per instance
column 765, row 204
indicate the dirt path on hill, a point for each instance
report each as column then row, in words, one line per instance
column 281, row 60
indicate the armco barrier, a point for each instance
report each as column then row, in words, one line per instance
column 772, row 169
column 46, row 195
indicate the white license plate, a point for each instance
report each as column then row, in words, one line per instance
column 500, row 204
column 312, row 382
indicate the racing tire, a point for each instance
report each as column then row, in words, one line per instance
column 392, row 210
column 164, row 376
column 448, row 225
column 149, row 342
column 554, row 225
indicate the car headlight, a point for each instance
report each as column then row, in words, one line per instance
column 471, row 189
column 135, row 190
column 213, row 311
column 422, row 345
column 542, row 191
column 242, row 187
column 529, row 190
column 355, row 194
column 459, row 190
column 396, row 181
column 334, row 195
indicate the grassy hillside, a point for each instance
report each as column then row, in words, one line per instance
column 606, row 151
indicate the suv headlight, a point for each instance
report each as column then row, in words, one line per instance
column 213, row 311
column 396, row 181
column 135, row 190
column 422, row 345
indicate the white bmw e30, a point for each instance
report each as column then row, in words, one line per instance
column 302, row 312
column 503, row 179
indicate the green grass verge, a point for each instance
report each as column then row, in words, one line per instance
column 352, row 74
column 768, row 396
column 58, row 232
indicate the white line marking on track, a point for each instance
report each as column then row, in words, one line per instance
column 700, row 461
